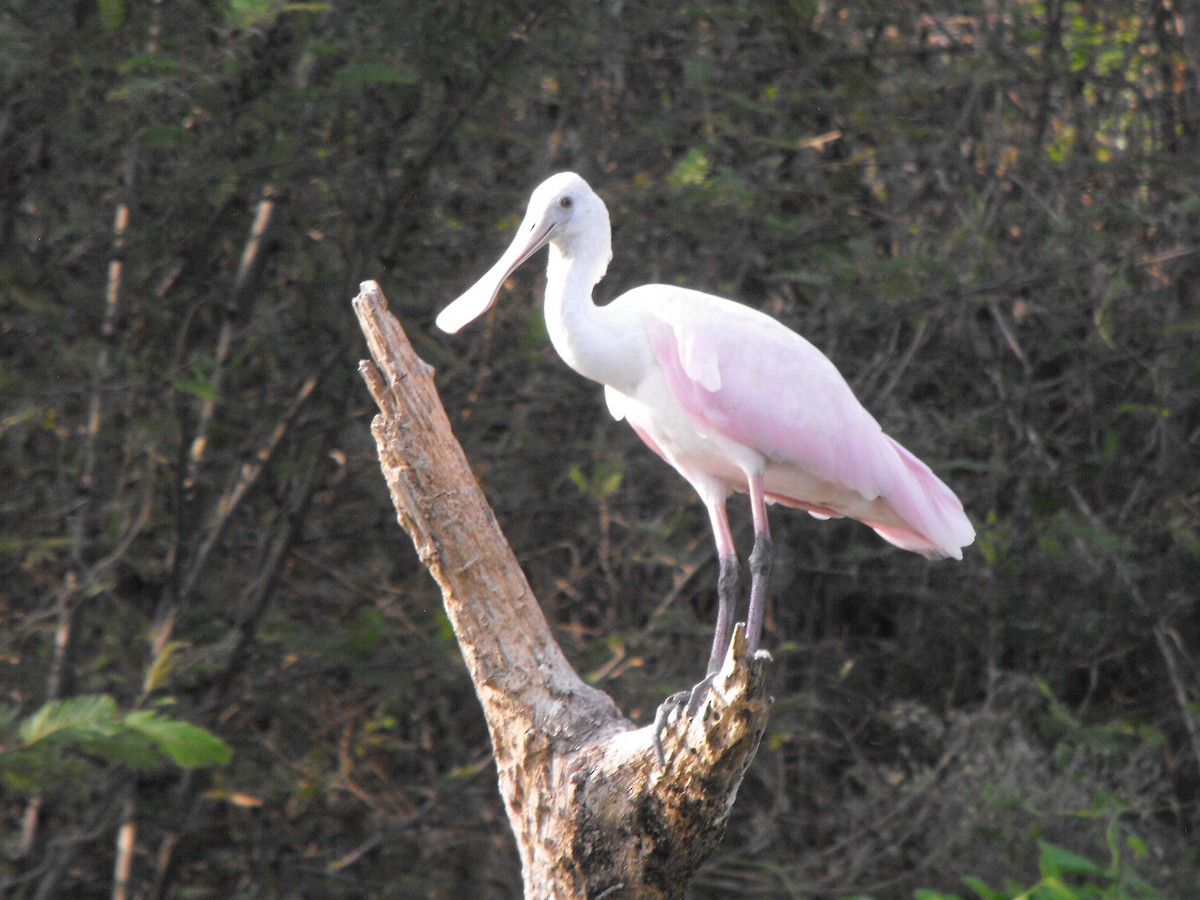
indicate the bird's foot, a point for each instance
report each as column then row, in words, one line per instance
column 662, row 717
column 689, row 702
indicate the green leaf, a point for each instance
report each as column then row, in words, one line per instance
column 1059, row 861
column 1136, row 844
column 187, row 745
column 1053, row 888
column 982, row 891
column 579, row 479
column 197, row 387
column 606, row 479
column 74, row 719
column 125, row 747
column 692, row 170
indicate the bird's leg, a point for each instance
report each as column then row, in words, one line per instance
column 727, row 587
column 760, row 571
column 760, row 564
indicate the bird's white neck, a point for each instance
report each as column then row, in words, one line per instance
column 589, row 338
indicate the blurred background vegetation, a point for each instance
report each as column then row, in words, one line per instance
column 225, row 673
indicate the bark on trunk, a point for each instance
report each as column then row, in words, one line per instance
column 593, row 812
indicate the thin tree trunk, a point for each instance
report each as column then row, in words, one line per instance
column 79, row 530
column 593, row 813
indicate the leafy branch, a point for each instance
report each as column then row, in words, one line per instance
column 94, row 726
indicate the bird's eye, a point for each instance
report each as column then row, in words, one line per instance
column 566, row 202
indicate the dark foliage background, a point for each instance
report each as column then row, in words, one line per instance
column 986, row 213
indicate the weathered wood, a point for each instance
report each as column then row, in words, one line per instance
column 593, row 813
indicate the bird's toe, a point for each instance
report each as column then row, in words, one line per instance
column 687, row 702
column 697, row 694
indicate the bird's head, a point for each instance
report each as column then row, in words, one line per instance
column 563, row 211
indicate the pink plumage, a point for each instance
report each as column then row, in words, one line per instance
column 727, row 395
column 771, row 390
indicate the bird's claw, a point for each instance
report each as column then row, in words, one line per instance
column 698, row 693
column 687, row 701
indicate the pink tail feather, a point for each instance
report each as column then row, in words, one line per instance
column 936, row 524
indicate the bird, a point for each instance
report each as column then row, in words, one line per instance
column 731, row 398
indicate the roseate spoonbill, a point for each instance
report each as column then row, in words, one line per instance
column 730, row 397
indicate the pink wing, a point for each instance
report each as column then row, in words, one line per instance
column 747, row 376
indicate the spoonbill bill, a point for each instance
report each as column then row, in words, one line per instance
column 727, row 395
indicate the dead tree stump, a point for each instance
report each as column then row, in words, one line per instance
column 593, row 812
